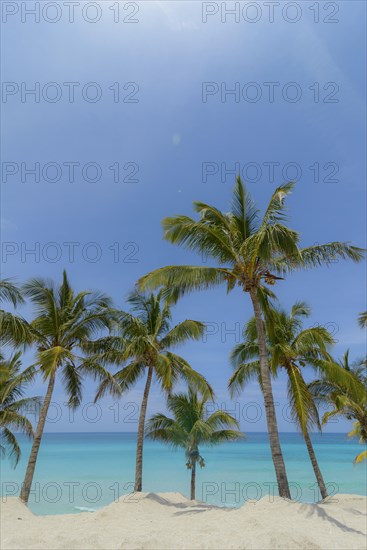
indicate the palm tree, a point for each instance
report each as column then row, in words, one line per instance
column 13, row 405
column 250, row 250
column 144, row 341
column 344, row 388
column 191, row 427
column 64, row 322
column 291, row 349
column 14, row 330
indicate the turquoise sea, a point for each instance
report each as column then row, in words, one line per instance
column 84, row 471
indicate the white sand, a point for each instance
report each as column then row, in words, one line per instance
column 170, row 521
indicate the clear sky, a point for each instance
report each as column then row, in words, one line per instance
column 160, row 119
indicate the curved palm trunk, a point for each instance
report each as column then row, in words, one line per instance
column 276, row 451
column 315, row 466
column 140, row 440
column 193, row 481
column 27, row 484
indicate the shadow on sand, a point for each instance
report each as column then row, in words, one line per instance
column 315, row 509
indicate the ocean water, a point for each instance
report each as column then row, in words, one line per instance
column 82, row 472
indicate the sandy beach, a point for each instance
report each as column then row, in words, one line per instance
column 170, row 521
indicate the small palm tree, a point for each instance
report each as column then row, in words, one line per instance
column 344, row 388
column 13, row 405
column 64, row 323
column 145, row 337
column 191, row 427
column 14, row 330
column 290, row 349
column 250, row 251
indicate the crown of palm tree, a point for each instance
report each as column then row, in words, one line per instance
column 290, row 347
column 64, row 324
column 253, row 249
column 344, row 388
column 144, row 337
column 191, row 426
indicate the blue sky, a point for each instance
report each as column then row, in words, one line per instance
column 172, row 137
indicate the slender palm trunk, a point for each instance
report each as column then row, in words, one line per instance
column 193, row 481
column 315, row 466
column 276, row 451
column 27, row 484
column 140, row 441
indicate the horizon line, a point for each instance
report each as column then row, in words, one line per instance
column 247, row 432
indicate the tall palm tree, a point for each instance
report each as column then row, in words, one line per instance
column 14, row 330
column 144, row 340
column 344, row 388
column 64, row 322
column 290, row 349
column 191, row 427
column 13, row 404
column 251, row 251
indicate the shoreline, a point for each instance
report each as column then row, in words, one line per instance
column 235, row 472
column 171, row 521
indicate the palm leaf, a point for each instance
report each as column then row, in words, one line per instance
column 8, row 441
column 9, row 292
column 244, row 373
column 275, row 211
column 362, row 319
column 183, row 279
column 244, row 211
column 186, row 330
column 303, row 408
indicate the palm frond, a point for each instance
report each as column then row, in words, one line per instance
column 221, row 436
column 183, row 370
column 244, row 210
column 202, row 236
column 325, row 254
column 186, row 330
column 73, row 382
column 120, row 382
column 361, row 457
column 303, row 408
column 14, row 330
column 220, row 418
column 9, row 292
column 311, row 339
column 13, row 406
column 183, row 279
column 362, row 319
column 300, row 309
column 244, row 373
column 9, row 442
column 275, row 212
